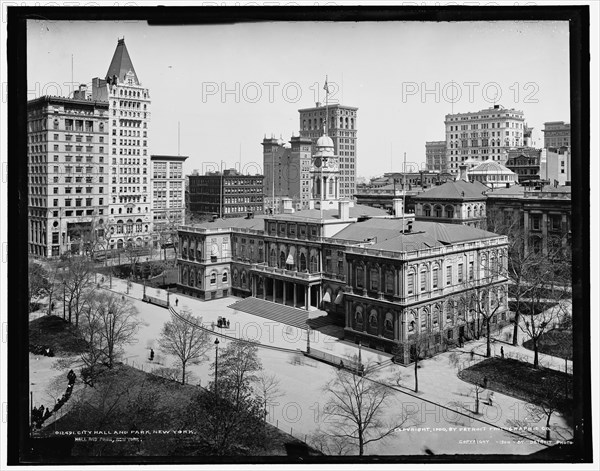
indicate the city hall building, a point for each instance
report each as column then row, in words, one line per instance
column 388, row 279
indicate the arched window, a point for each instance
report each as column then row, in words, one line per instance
column 468, row 211
column 244, row 278
column 235, row 277
column 213, row 278
column 302, row 262
column 389, row 281
column 273, row 261
column 411, row 322
column 314, row 266
column 360, row 273
column 358, row 315
column 282, row 259
column 389, row 322
column 374, row 279
column 427, row 210
column 373, row 318
column 435, row 318
column 437, row 211
column 225, row 277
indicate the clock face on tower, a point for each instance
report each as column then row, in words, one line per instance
column 318, row 162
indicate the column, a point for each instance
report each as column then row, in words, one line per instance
column 294, row 286
column 284, row 284
column 306, row 290
column 526, row 230
column 264, row 280
column 274, row 281
column 545, row 233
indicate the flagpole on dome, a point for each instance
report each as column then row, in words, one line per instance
column 326, row 88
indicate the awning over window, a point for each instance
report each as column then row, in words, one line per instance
column 290, row 258
column 339, row 298
column 327, row 297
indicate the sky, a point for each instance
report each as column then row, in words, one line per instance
column 230, row 85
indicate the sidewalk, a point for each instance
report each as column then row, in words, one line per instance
column 439, row 386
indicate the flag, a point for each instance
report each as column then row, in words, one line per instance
column 326, row 87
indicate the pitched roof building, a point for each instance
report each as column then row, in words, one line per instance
column 385, row 279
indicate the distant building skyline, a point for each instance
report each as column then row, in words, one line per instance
column 400, row 109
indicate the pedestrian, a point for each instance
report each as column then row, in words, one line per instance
column 151, row 354
column 501, row 352
column 341, row 364
column 485, row 382
column 228, row 323
column 176, row 302
column 212, row 325
column 52, row 305
column 491, row 398
column 472, row 354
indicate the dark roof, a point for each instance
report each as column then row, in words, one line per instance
column 355, row 211
column 121, row 63
column 424, row 234
column 460, row 189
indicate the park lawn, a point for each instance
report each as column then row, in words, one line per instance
column 520, row 380
column 56, row 333
column 558, row 343
column 126, row 399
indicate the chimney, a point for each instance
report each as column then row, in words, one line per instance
column 398, row 207
column 318, row 104
column 463, row 173
column 344, row 210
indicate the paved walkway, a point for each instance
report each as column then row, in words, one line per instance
column 441, row 393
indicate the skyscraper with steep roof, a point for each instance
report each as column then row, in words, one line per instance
column 129, row 198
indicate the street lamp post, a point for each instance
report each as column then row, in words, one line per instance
column 144, row 289
column 168, row 293
column 307, row 339
column 217, row 366
column 64, row 299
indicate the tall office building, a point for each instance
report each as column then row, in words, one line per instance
column 483, row 135
column 342, row 127
column 435, row 155
column 557, row 134
column 286, row 168
column 68, row 174
column 130, row 215
column 168, row 182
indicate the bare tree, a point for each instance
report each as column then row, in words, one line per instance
column 268, row 389
column 184, row 338
column 355, row 408
column 77, row 280
column 329, row 445
column 477, row 390
column 419, row 346
column 238, row 368
column 110, row 323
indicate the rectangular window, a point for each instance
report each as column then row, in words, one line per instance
column 411, row 284
column 460, row 272
column 423, row 281
column 435, row 278
column 471, row 271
